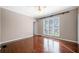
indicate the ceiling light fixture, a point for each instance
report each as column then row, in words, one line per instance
column 41, row 9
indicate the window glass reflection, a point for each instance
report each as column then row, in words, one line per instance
column 51, row 45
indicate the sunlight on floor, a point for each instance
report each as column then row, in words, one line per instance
column 51, row 45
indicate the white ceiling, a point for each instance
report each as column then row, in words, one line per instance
column 33, row 10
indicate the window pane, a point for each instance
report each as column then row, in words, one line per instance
column 56, row 26
column 51, row 26
column 47, row 27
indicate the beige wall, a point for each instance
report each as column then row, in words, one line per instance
column 15, row 26
column 35, row 28
column 40, row 27
column 0, row 24
column 68, row 26
column 78, row 25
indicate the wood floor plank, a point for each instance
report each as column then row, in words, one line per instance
column 40, row 44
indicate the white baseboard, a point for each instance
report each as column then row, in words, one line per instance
column 68, row 40
column 16, row 39
column 63, row 39
column 38, row 34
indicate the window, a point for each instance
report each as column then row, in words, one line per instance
column 51, row 26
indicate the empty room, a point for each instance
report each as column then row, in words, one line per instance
column 39, row 29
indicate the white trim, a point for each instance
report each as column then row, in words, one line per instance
column 63, row 39
column 68, row 40
column 38, row 34
column 15, row 39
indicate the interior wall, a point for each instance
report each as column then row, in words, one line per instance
column 15, row 26
column 78, row 25
column 0, row 24
column 35, row 28
column 68, row 25
column 40, row 27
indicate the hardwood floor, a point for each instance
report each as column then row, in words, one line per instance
column 39, row 44
column 78, row 48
